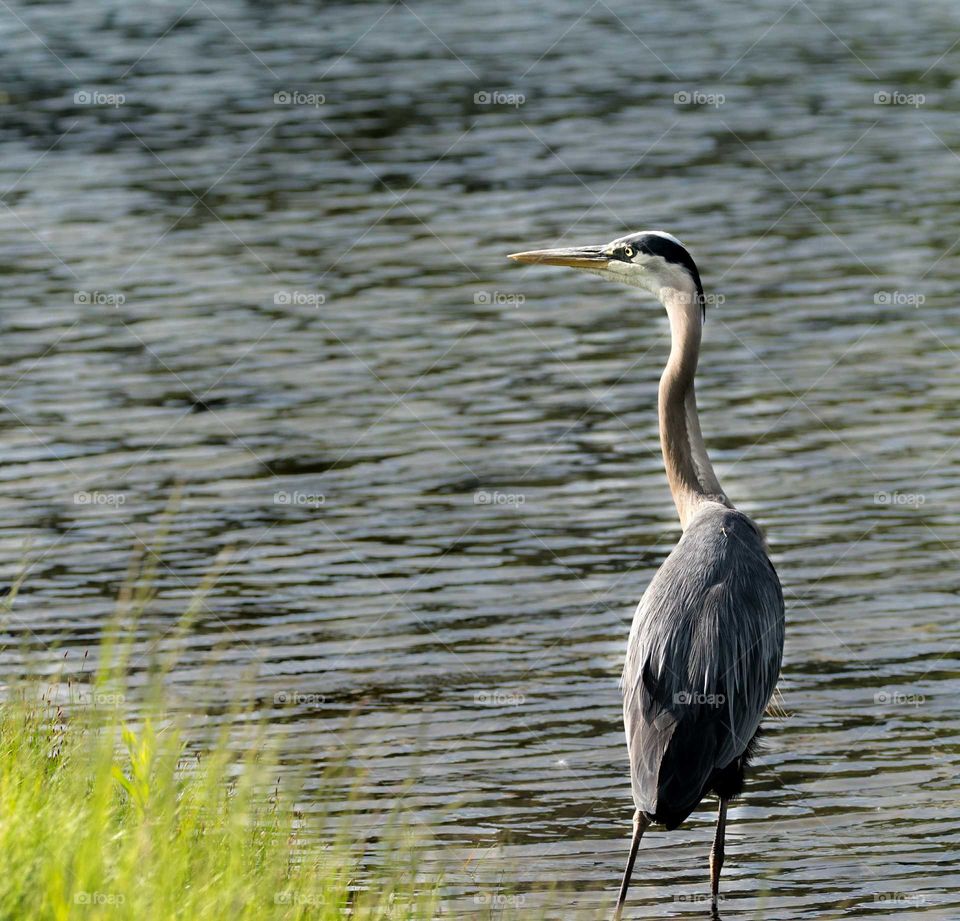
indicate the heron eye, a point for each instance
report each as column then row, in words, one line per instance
column 629, row 252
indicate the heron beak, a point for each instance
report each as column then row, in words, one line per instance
column 576, row 257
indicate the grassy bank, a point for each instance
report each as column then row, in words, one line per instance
column 109, row 809
column 101, row 818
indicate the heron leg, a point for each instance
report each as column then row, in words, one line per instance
column 716, row 855
column 640, row 825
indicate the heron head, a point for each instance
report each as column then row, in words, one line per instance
column 652, row 260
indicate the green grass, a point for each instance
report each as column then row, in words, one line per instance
column 109, row 809
column 103, row 819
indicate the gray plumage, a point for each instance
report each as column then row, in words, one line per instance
column 707, row 639
column 702, row 662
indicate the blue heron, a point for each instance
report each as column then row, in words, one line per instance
column 706, row 644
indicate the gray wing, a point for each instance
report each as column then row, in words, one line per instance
column 702, row 662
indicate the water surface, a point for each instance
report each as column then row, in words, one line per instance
column 439, row 472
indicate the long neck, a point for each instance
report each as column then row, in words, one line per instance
column 689, row 471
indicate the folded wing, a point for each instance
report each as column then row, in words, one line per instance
column 702, row 662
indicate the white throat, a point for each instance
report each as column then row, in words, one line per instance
column 692, row 479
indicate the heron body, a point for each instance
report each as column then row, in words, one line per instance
column 705, row 648
column 703, row 660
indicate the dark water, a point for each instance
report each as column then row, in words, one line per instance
column 439, row 472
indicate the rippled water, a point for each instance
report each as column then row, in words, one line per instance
column 439, row 472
